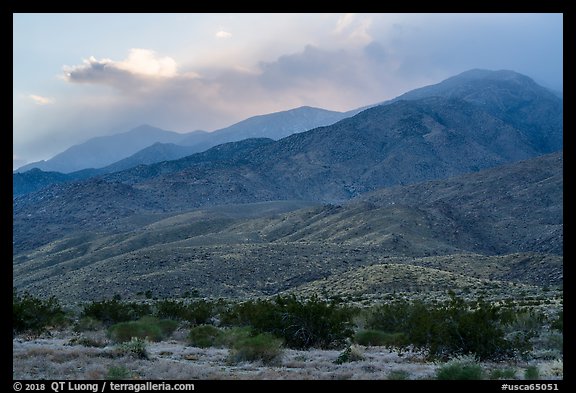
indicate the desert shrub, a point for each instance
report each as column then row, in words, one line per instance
column 204, row 336
column 197, row 313
column 505, row 373
column 380, row 338
column 532, row 373
column 349, row 354
column 117, row 373
column 525, row 321
column 136, row 348
column 114, row 311
column 125, row 331
column 249, row 313
column 171, row 309
column 88, row 342
column 149, row 328
column 229, row 336
column 313, row 323
column 452, row 328
column 30, row 313
column 167, row 326
column 263, row 347
column 301, row 324
column 463, row 368
column 200, row 312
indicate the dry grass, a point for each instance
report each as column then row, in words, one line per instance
column 55, row 358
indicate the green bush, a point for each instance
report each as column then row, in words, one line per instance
column 229, row 336
column 250, row 313
column 146, row 328
column 204, row 336
column 452, row 328
column 380, row 338
column 301, row 324
column 136, row 348
column 35, row 315
column 262, row 347
column 171, row 309
column 532, row 373
column 197, row 313
column 460, row 369
column 167, row 326
column 113, row 311
column 506, row 373
column 117, row 373
column 526, row 321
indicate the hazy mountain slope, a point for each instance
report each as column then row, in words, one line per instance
column 105, row 150
column 157, row 152
column 227, row 156
column 515, row 98
column 273, row 125
column 400, row 143
column 126, row 147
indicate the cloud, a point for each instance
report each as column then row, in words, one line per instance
column 354, row 28
column 140, row 64
column 41, row 100
column 343, row 22
column 212, row 98
column 223, row 34
column 145, row 62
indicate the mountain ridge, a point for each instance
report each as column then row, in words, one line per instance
column 95, row 153
column 267, row 248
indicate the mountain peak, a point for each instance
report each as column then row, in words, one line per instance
column 477, row 74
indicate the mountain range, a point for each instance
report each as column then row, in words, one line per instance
column 147, row 144
column 506, row 95
column 471, row 166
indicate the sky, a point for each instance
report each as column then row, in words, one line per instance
column 77, row 76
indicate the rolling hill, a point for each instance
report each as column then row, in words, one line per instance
column 266, row 248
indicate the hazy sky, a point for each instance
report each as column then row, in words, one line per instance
column 76, row 76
